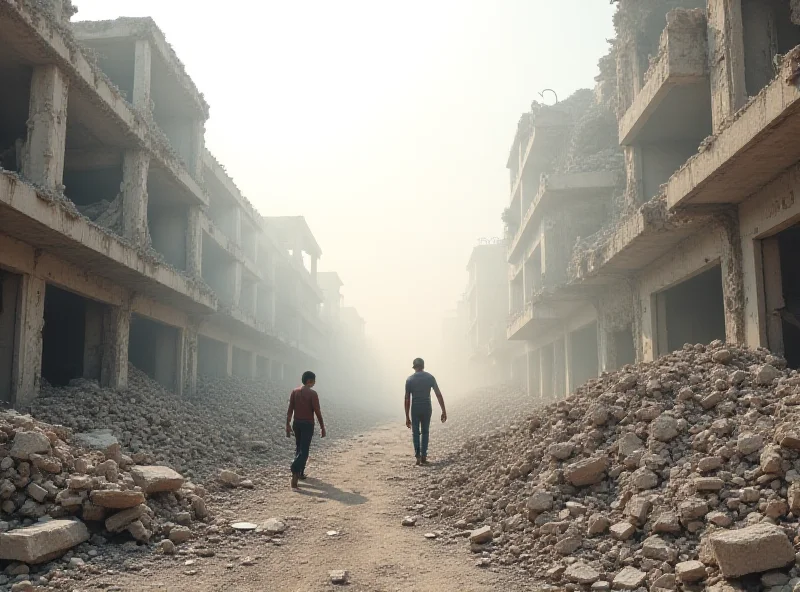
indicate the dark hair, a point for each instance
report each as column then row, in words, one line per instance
column 308, row 375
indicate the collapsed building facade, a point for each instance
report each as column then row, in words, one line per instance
column 660, row 210
column 122, row 239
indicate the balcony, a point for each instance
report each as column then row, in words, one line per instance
column 548, row 131
column 758, row 144
column 675, row 100
column 54, row 226
column 636, row 242
column 561, row 190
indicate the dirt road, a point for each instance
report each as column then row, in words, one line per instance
column 358, row 489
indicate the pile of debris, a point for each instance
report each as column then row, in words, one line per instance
column 680, row 472
column 230, row 423
column 480, row 411
column 54, row 493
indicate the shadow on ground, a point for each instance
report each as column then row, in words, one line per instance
column 320, row 489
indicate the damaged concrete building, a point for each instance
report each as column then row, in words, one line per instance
column 677, row 223
column 122, row 239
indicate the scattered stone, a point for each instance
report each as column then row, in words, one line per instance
column 410, row 521
column 481, row 536
column 629, row 578
column 754, row 549
column 580, row 573
column 586, row 472
column 689, row 572
column 339, row 577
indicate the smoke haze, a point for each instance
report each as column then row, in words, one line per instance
column 386, row 124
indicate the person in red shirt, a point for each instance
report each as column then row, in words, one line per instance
column 304, row 405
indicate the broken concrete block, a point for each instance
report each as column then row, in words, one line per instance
column 754, row 549
column 95, row 439
column 116, row 500
column 119, row 521
column 156, row 479
column 42, row 542
column 481, row 536
column 27, row 443
column 586, row 472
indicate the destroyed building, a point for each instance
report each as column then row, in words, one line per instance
column 487, row 309
column 122, row 238
column 676, row 224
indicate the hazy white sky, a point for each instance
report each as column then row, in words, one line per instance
column 386, row 124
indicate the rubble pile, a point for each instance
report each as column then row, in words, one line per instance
column 231, row 422
column 482, row 410
column 107, row 214
column 56, row 495
column 683, row 472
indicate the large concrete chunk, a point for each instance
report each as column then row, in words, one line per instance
column 95, row 439
column 587, row 471
column 43, row 542
column 27, row 443
column 156, row 479
column 754, row 549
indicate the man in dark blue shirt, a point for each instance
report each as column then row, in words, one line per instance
column 419, row 409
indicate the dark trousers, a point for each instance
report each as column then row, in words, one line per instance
column 303, row 433
column 420, row 425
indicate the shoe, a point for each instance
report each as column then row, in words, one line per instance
column 302, row 477
column 419, row 462
column 295, row 477
column 424, row 461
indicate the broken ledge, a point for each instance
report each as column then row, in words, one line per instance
column 634, row 243
column 682, row 61
column 757, row 145
column 52, row 223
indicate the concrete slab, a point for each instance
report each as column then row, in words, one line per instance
column 756, row 146
column 51, row 225
column 42, row 542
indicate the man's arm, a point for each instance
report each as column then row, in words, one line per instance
column 318, row 413
column 407, row 405
column 440, row 398
column 289, row 415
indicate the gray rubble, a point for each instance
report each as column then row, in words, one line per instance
column 665, row 475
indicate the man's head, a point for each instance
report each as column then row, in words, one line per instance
column 309, row 378
column 418, row 364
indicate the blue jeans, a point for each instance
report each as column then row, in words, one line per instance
column 303, row 433
column 420, row 425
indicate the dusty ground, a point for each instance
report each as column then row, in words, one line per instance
column 359, row 489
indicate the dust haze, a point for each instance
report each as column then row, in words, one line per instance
column 386, row 125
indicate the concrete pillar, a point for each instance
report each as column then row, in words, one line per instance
column 726, row 59
column 194, row 243
column 135, row 168
column 237, row 283
column 28, row 371
column 190, row 340
column 732, row 277
column 229, row 362
column 43, row 156
column 142, row 75
column 116, row 336
column 634, row 173
column 197, row 143
column 93, row 339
